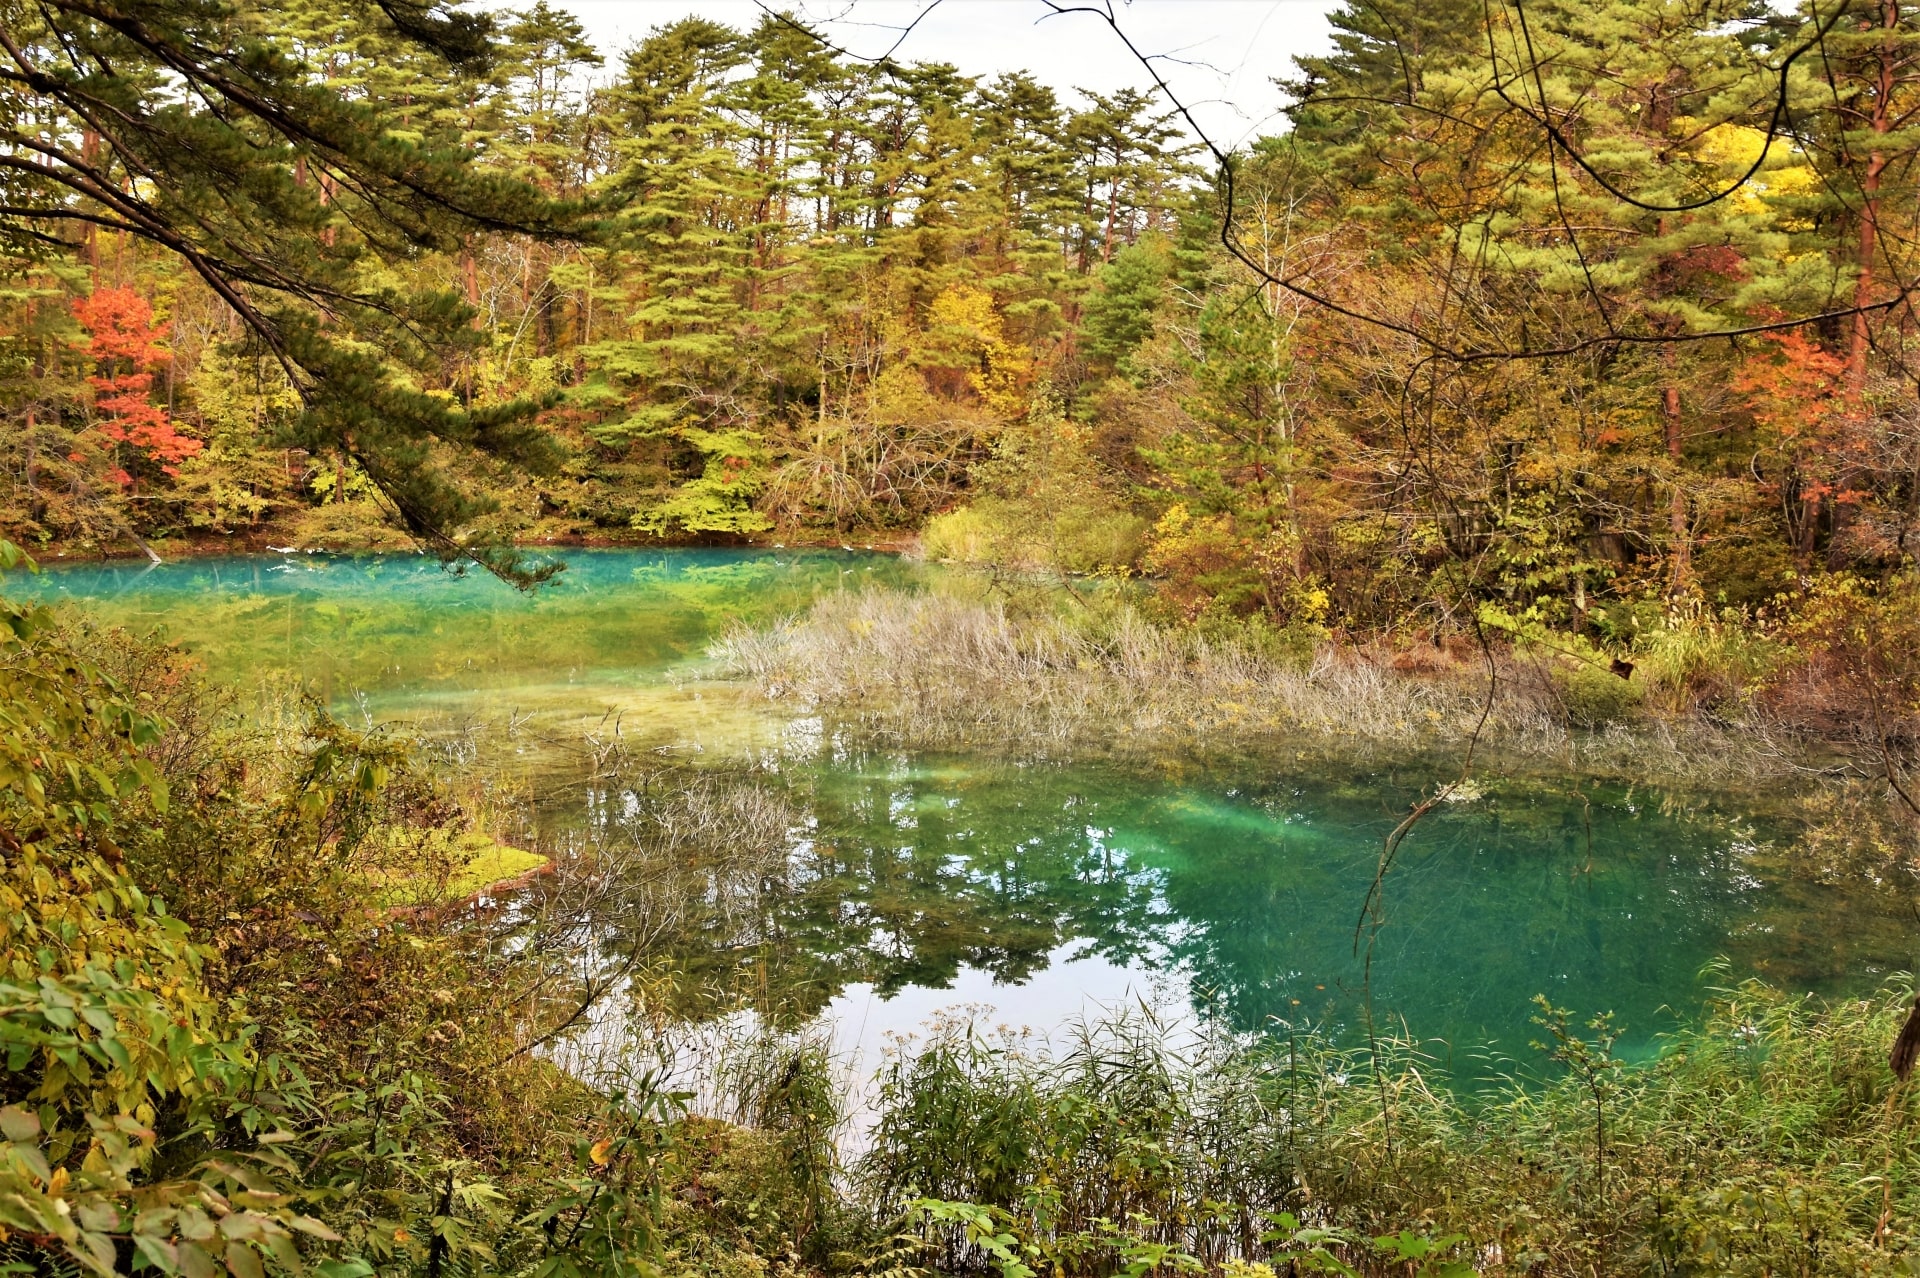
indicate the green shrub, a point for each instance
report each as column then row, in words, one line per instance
column 1594, row 696
column 964, row 535
column 1079, row 538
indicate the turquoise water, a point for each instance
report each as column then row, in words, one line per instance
column 1035, row 886
column 1246, row 885
column 401, row 631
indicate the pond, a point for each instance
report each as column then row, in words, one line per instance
column 1044, row 888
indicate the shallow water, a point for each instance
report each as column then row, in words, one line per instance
column 1036, row 887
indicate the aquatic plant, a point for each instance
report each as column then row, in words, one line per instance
column 1045, row 671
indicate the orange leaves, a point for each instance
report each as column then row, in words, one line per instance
column 125, row 342
column 1820, row 432
column 1790, row 384
column 120, row 327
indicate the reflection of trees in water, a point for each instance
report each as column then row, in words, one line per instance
column 1500, row 899
column 929, row 873
column 892, row 879
column 897, row 875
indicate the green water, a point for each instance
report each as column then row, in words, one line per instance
column 1032, row 886
column 401, row 626
column 398, row 637
column 1248, row 884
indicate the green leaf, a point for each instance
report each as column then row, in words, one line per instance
column 243, row 1261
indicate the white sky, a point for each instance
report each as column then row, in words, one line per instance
column 1220, row 56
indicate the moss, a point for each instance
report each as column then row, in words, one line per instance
column 489, row 863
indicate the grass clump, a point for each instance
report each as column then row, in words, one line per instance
column 1770, row 1139
column 997, row 663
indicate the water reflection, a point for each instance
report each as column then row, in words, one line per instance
column 885, row 874
column 906, row 873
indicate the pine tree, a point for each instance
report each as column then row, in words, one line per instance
column 284, row 197
column 685, row 250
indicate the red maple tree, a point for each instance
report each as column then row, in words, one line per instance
column 125, row 343
column 1797, row 393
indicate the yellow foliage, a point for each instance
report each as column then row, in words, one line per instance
column 1004, row 367
column 419, row 866
column 1735, row 148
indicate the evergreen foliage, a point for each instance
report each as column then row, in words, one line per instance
column 818, row 296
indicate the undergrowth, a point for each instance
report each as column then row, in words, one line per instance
column 1771, row 1138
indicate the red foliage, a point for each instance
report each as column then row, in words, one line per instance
column 125, row 342
column 1798, row 391
column 1704, row 266
column 1792, row 385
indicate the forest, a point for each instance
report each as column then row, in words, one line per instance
column 1517, row 444
column 738, row 286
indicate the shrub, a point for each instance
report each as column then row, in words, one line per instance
column 1594, row 695
column 1078, row 538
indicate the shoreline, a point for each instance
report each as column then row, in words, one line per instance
column 269, row 542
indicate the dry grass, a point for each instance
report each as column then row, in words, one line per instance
column 939, row 670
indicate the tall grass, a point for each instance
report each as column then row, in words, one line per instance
column 1770, row 1140
column 938, row 670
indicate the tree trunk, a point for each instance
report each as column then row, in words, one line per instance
column 326, row 185
column 1682, row 564
column 90, row 148
column 1113, row 212
column 1880, row 121
column 33, row 490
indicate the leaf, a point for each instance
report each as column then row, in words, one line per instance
column 36, row 1162
column 97, row 1214
column 308, row 1225
column 243, row 1261
column 19, row 1124
column 158, row 1252
column 353, row 1268
column 195, row 1262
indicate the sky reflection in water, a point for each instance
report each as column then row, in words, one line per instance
column 965, row 878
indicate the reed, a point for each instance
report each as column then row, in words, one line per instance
column 945, row 669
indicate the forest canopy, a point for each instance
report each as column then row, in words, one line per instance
column 1550, row 306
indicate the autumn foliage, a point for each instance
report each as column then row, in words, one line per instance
column 125, row 343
